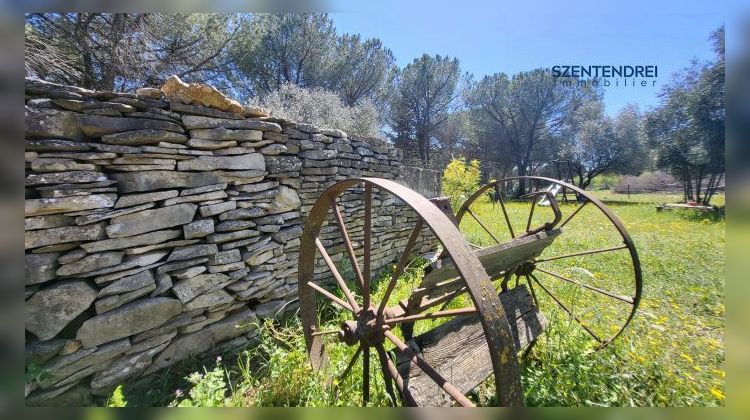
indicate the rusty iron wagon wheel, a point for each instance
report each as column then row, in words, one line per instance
column 369, row 324
column 599, row 288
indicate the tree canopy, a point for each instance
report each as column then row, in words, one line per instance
column 425, row 94
column 526, row 111
column 595, row 144
column 111, row 51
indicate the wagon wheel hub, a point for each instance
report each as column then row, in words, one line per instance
column 526, row 268
column 364, row 329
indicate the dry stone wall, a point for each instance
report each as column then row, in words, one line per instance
column 160, row 227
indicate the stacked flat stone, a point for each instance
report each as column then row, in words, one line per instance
column 158, row 229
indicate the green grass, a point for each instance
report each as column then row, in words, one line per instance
column 656, row 198
column 672, row 353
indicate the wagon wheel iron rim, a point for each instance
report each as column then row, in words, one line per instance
column 537, row 274
column 369, row 327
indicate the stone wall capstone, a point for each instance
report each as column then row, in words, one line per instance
column 164, row 223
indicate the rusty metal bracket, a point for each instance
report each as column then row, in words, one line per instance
column 553, row 205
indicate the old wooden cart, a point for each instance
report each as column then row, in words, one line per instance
column 506, row 282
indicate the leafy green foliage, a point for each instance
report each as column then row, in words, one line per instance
column 117, row 399
column 274, row 49
column 594, row 144
column 460, row 180
column 303, row 49
column 209, row 389
column 360, row 69
column 604, row 182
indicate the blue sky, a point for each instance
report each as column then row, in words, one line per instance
column 489, row 37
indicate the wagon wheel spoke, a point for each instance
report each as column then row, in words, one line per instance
column 386, row 375
column 351, row 364
column 365, row 375
column 327, row 332
column 626, row 299
column 531, row 215
column 336, row 275
column 347, row 242
column 390, row 369
column 578, row 209
column 367, row 246
column 503, row 286
column 578, row 254
column 335, row 299
column 507, row 219
column 565, row 308
column 471, row 213
column 430, row 371
column 453, row 295
column 400, row 267
column 432, row 315
column 533, row 292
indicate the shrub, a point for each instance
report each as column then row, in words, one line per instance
column 604, row 182
column 648, row 182
column 321, row 108
column 209, row 389
column 460, row 180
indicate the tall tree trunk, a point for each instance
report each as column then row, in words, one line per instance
column 116, row 34
column 711, row 189
column 586, row 182
column 521, row 182
column 684, row 191
column 688, row 186
column 81, row 27
column 698, row 185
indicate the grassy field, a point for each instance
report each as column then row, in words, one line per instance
column 656, row 198
column 671, row 354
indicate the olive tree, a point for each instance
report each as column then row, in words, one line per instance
column 322, row 108
column 595, row 144
column 687, row 129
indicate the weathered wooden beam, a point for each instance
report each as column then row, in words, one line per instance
column 496, row 259
column 458, row 350
column 442, row 282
